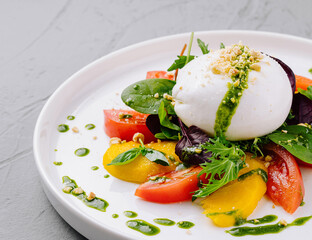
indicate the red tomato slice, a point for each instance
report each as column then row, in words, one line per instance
column 176, row 186
column 159, row 74
column 285, row 184
column 125, row 128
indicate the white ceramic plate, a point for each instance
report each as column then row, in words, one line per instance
column 97, row 87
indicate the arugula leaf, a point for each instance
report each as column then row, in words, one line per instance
column 226, row 161
column 155, row 156
column 180, row 62
column 203, row 47
column 296, row 139
column 164, row 117
column 126, row 157
column 222, row 45
column 307, row 93
column 140, row 96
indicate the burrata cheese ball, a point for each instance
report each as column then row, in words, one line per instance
column 237, row 90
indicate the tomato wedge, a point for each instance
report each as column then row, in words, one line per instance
column 303, row 82
column 285, row 184
column 175, row 186
column 159, row 74
column 125, row 123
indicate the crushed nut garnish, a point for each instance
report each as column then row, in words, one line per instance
column 284, row 131
column 67, row 189
column 268, row 158
column 198, row 151
column 75, row 130
column 114, row 140
column 91, row 196
column 273, row 206
column 95, row 137
column 156, row 95
column 158, row 141
column 137, row 136
column 267, row 164
column 77, row 191
column 255, row 67
column 283, row 222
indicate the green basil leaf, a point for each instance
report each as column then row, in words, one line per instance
column 164, row 117
column 140, row 96
column 180, row 62
column 169, row 133
column 297, row 140
column 307, row 93
column 126, row 157
column 203, row 47
column 156, row 156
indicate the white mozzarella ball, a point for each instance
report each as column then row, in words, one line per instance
column 263, row 107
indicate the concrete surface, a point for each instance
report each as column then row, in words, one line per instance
column 43, row 42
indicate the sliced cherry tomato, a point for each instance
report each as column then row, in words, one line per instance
column 175, row 186
column 159, row 74
column 285, row 184
column 125, row 123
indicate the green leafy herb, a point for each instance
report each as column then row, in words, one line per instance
column 254, row 146
column 151, row 154
column 180, row 62
column 222, row 45
column 203, row 47
column 189, row 48
column 307, row 93
column 164, row 116
column 141, row 96
column 126, row 157
column 226, row 161
column 296, row 139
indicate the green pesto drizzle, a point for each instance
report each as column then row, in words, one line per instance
column 90, row 126
column 230, row 101
column 258, row 171
column 164, row 221
column 70, row 117
column 185, row 224
column 143, row 227
column 57, row 163
column 62, row 128
column 130, row 214
column 97, row 203
column 106, row 176
column 81, row 152
column 94, row 168
column 256, row 221
column 266, row 229
column 115, row 215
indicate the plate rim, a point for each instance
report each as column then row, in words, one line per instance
column 49, row 188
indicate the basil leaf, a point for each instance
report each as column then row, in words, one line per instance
column 140, row 96
column 297, row 140
column 155, row 156
column 169, row 133
column 126, row 157
column 307, row 93
column 180, row 62
column 203, row 47
column 164, row 117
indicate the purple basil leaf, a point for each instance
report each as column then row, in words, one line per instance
column 289, row 72
column 153, row 123
column 192, row 137
column 301, row 109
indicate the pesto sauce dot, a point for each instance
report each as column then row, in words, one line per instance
column 130, row 214
column 185, row 224
column 57, row 163
column 115, row 215
column 90, row 126
column 106, row 176
column 70, row 117
column 62, row 128
column 81, row 152
column 94, row 168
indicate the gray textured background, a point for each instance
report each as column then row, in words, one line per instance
column 43, row 42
